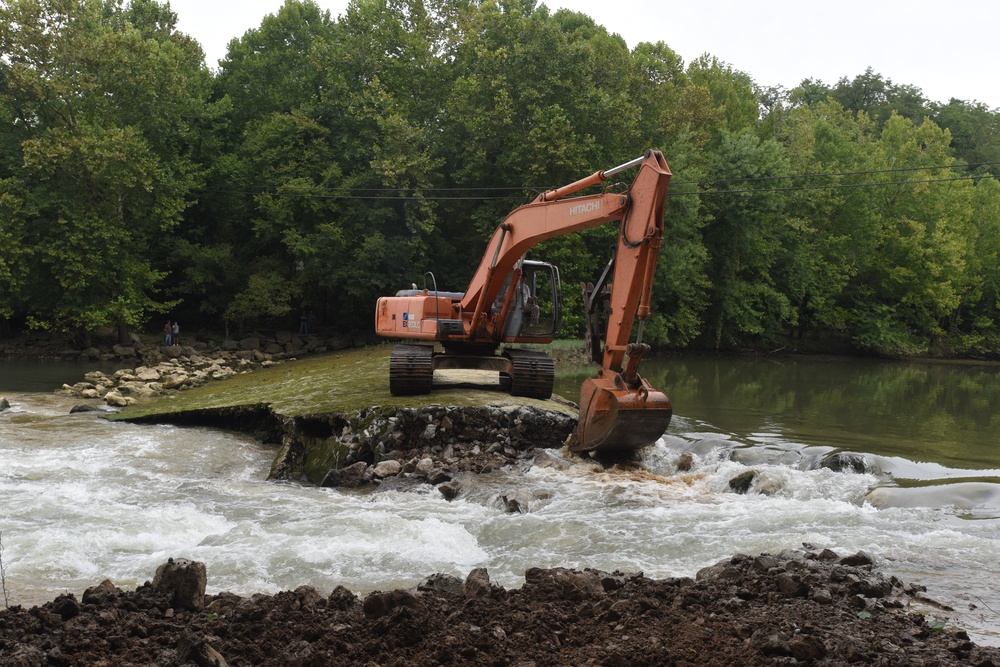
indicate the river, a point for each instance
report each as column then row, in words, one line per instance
column 86, row 499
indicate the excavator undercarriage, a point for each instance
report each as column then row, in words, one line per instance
column 511, row 300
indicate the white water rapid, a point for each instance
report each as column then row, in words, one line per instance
column 84, row 499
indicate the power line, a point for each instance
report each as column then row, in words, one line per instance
column 386, row 197
column 351, row 192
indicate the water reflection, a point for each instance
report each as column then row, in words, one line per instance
column 926, row 412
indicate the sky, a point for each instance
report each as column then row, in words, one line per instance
column 945, row 49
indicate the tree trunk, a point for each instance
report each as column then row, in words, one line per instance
column 124, row 335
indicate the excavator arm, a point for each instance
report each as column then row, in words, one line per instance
column 619, row 410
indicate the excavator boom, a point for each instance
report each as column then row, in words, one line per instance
column 619, row 410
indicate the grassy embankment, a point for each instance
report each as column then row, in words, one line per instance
column 337, row 382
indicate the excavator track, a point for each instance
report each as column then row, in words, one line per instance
column 411, row 370
column 532, row 374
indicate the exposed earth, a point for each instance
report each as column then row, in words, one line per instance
column 803, row 608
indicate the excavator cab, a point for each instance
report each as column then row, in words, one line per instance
column 535, row 309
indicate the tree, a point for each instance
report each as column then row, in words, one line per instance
column 743, row 238
column 103, row 104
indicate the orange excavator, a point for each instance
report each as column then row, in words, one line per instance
column 513, row 300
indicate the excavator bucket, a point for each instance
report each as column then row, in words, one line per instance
column 617, row 419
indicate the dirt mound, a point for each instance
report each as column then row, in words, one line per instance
column 802, row 608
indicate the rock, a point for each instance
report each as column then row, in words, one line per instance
column 477, row 584
column 84, row 407
column 147, row 374
column 250, row 344
column 792, row 586
column 378, row 604
column 859, row 559
column 388, row 468
column 438, row 476
column 450, row 490
column 99, row 593
column 548, row 459
column 183, row 581
column 846, row 462
column 442, row 583
column 116, row 399
column 573, row 584
column 123, row 351
column 685, row 462
column 424, row 467
column 348, row 477
column 192, row 648
column 4, row 404
column 807, row 649
column 66, row 606
column 741, row 483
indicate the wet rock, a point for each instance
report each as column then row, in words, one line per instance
column 846, row 462
column 685, row 462
column 547, row 459
column 350, row 477
column 4, row 404
column 183, row 581
column 857, row 560
column 741, row 483
column 450, row 490
column 85, row 407
column 438, row 476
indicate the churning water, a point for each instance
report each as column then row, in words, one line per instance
column 83, row 499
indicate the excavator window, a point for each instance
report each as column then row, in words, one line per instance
column 540, row 299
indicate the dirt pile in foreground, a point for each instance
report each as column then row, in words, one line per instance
column 812, row 608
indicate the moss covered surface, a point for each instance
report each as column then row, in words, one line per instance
column 337, row 382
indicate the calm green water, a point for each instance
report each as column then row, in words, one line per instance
column 45, row 375
column 947, row 414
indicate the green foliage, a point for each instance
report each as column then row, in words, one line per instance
column 101, row 110
column 331, row 161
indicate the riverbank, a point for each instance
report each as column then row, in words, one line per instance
column 810, row 607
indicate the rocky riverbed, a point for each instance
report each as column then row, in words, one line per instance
column 809, row 607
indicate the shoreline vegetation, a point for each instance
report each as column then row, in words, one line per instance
column 309, row 174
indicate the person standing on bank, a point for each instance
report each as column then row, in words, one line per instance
column 175, row 331
column 168, row 332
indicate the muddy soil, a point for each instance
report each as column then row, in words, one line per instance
column 802, row 608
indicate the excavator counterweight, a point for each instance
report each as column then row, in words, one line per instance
column 512, row 300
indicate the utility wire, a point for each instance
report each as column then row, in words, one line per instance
column 352, row 190
column 386, row 197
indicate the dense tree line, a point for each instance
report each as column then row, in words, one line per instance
column 330, row 161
